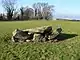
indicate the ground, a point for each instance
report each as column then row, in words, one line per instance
column 65, row 49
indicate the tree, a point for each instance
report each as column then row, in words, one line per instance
column 26, row 13
column 9, row 6
column 22, row 12
column 16, row 15
column 47, row 11
column 29, row 13
column 37, row 10
column 1, row 17
column 43, row 10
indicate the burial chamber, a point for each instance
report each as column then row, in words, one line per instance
column 38, row 34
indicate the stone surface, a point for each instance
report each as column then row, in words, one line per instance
column 59, row 30
column 19, row 35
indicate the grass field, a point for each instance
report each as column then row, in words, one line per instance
column 68, row 49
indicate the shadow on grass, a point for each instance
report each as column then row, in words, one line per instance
column 64, row 36
column 61, row 37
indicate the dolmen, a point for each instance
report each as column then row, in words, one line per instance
column 38, row 34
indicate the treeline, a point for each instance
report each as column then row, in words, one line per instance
column 37, row 11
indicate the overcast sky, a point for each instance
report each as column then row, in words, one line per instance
column 63, row 8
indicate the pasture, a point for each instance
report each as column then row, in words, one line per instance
column 65, row 49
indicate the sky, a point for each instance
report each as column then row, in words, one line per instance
column 63, row 8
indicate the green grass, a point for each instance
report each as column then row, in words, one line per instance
column 69, row 49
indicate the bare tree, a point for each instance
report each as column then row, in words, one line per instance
column 26, row 13
column 37, row 9
column 43, row 10
column 29, row 13
column 9, row 6
column 16, row 15
column 47, row 11
column 22, row 12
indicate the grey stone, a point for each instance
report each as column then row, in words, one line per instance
column 20, row 35
column 59, row 30
column 53, row 35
